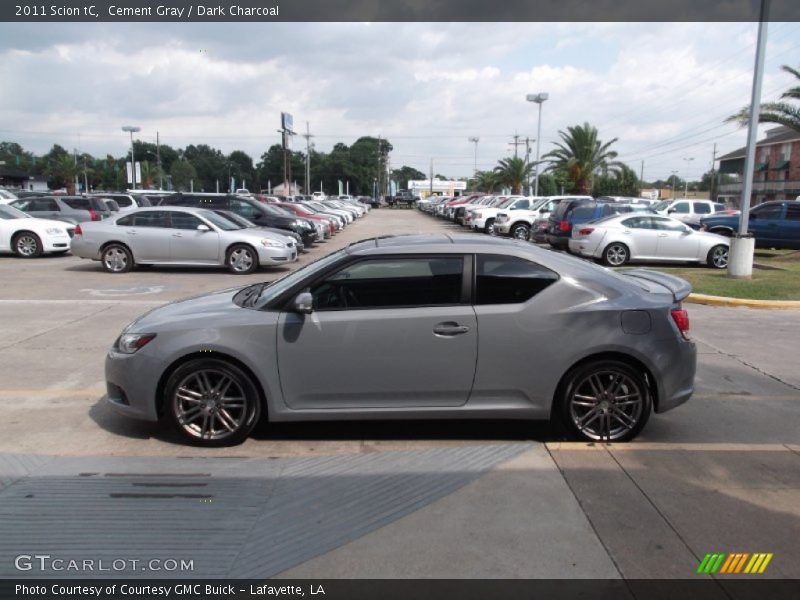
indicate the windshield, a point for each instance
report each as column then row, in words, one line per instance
column 234, row 218
column 223, row 223
column 277, row 287
column 9, row 212
column 661, row 205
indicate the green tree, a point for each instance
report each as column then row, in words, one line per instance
column 622, row 182
column 210, row 165
column 405, row 174
column 60, row 168
column 581, row 155
column 486, row 181
column 241, row 168
column 782, row 113
column 182, row 173
column 513, row 172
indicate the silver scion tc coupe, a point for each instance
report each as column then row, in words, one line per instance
column 423, row 326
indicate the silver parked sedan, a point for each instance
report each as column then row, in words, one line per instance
column 433, row 326
column 619, row 239
column 170, row 235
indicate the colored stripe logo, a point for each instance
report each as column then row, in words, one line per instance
column 735, row 563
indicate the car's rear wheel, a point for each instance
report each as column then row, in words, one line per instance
column 616, row 254
column 490, row 227
column 27, row 245
column 212, row 402
column 520, row 231
column 116, row 258
column 241, row 259
column 604, row 400
column 718, row 257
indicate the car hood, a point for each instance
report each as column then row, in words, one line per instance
column 42, row 224
column 202, row 307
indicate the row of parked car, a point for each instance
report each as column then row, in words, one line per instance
column 614, row 230
column 121, row 230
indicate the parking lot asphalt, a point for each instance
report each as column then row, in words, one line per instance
column 719, row 474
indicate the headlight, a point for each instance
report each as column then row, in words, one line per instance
column 56, row 231
column 272, row 243
column 128, row 343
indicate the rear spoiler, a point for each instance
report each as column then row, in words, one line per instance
column 653, row 280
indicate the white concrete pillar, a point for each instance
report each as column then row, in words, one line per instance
column 740, row 257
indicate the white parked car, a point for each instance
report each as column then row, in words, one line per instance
column 628, row 237
column 6, row 197
column 519, row 223
column 688, row 211
column 482, row 218
column 29, row 237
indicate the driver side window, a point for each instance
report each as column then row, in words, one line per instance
column 392, row 282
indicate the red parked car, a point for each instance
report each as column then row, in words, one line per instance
column 301, row 212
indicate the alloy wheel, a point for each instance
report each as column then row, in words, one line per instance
column 241, row 260
column 606, row 405
column 616, row 255
column 719, row 257
column 115, row 259
column 27, row 246
column 210, row 405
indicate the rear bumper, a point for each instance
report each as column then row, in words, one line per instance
column 676, row 369
column 558, row 241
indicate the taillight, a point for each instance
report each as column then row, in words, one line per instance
column 94, row 215
column 78, row 230
column 681, row 318
column 585, row 231
column 564, row 226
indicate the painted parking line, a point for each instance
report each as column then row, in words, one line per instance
column 56, row 392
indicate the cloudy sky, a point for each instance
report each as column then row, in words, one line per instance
column 663, row 89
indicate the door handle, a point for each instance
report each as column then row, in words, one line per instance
column 131, row 232
column 450, row 328
column 662, row 235
column 177, row 235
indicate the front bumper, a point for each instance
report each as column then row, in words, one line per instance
column 55, row 243
column 502, row 228
column 276, row 256
column 131, row 382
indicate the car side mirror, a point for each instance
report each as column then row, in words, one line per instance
column 303, row 303
column 671, row 210
column 203, row 227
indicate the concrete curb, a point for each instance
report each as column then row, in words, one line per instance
column 746, row 302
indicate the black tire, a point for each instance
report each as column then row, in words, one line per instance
column 718, row 257
column 116, row 258
column 26, row 244
column 241, row 259
column 616, row 254
column 592, row 408
column 489, row 228
column 200, row 414
column 520, row 231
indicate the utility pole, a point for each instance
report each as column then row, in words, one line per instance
column 674, row 183
column 158, row 162
column 516, row 143
column 380, row 170
column 641, row 174
column 308, row 137
column 431, row 178
column 475, row 141
column 712, row 178
column 527, row 162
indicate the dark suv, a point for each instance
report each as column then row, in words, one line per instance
column 571, row 212
column 260, row 213
column 774, row 224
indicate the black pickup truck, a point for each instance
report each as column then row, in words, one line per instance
column 403, row 197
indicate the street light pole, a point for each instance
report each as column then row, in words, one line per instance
column 475, row 141
column 539, row 99
column 686, row 181
column 132, row 129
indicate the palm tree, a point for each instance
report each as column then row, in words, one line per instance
column 486, row 181
column 781, row 113
column 513, row 172
column 581, row 155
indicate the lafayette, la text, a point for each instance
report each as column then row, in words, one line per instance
column 144, row 590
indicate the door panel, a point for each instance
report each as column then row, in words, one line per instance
column 377, row 358
column 191, row 245
column 677, row 245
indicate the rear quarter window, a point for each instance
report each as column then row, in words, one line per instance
column 509, row 280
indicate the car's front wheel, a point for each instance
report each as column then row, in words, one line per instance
column 616, row 254
column 490, row 227
column 242, row 259
column 116, row 258
column 718, row 257
column 520, row 231
column 212, row 402
column 604, row 400
column 27, row 245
